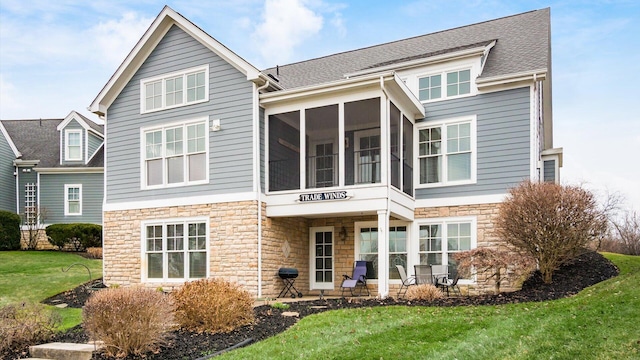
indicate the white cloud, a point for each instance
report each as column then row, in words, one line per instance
column 285, row 25
column 9, row 100
column 115, row 38
column 338, row 22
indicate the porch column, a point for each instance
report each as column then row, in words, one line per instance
column 383, row 253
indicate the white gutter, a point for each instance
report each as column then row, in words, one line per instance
column 66, row 170
column 529, row 76
column 256, row 178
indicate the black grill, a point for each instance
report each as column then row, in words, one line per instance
column 288, row 276
column 288, row 273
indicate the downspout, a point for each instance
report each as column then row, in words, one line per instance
column 256, row 116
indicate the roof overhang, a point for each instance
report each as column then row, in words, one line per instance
column 69, row 170
column 521, row 77
column 25, row 163
column 80, row 119
column 558, row 152
column 388, row 82
column 476, row 51
column 159, row 27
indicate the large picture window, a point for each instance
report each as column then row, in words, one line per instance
column 175, row 155
column 368, row 247
column 175, row 89
column 439, row 240
column 175, row 250
column 446, row 153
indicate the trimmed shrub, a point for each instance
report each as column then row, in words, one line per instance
column 94, row 253
column 130, row 320
column 426, row 292
column 9, row 231
column 212, row 306
column 78, row 236
column 25, row 324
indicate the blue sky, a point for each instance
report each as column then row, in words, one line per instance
column 55, row 56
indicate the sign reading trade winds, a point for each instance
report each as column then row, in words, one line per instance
column 321, row 196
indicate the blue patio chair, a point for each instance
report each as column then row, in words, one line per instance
column 357, row 280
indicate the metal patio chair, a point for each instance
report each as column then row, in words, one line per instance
column 406, row 281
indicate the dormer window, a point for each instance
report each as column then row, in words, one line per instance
column 73, row 148
column 176, row 89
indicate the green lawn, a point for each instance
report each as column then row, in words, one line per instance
column 36, row 275
column 601, row 322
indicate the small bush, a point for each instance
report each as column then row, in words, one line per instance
column 426, row 292
column 94, row 252
column 130, row 320
column 25, row 324
column 552, row 223
column 77, row 236
column 212, row 306
column 9, row 231
column 280, row 306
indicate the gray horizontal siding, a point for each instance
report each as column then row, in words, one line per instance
column 7, row 179
column 94, row 143
column 52, row 197
column 503, row 139
column 230, row 100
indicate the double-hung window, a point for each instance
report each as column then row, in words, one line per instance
column 175, row 250
column 446, row 153
column 175, row 155
column 187, row 87
column 440, row 239
column 431, row 87
column 73, row 148
column 73, row 199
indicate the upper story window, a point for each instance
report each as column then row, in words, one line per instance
column 457, row 83
column 446, row 153
column 73, row 148
column 73, row 199
column 175, row 155
column 176, row 89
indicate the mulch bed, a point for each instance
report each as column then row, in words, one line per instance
column 586, row 270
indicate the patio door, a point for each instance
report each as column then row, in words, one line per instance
column 321, row 258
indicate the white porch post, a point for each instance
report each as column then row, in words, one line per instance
column 383, row 253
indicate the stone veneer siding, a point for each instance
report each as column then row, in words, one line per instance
column 486, row 216
column 233, row 229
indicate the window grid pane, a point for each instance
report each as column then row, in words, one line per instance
column 169, row 256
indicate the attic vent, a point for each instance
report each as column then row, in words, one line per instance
column 273, row 77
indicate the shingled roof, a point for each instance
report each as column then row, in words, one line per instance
column 522, row 44
column 39, row 139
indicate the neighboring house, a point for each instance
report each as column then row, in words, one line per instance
column 51, row 170
column 397, row 154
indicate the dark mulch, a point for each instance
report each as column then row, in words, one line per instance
column 585, row 271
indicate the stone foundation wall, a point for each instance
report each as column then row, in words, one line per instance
column 486, row 216
column 232, row 242
column 43, row 243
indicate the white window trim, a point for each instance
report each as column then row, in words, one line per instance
column 443, row 83
column 374, row 224
column 164, row 77
column 66, row 199
column 472, row 119
column 66, row 144
column 165, row 184
column 163, row 223
column 443, row 222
